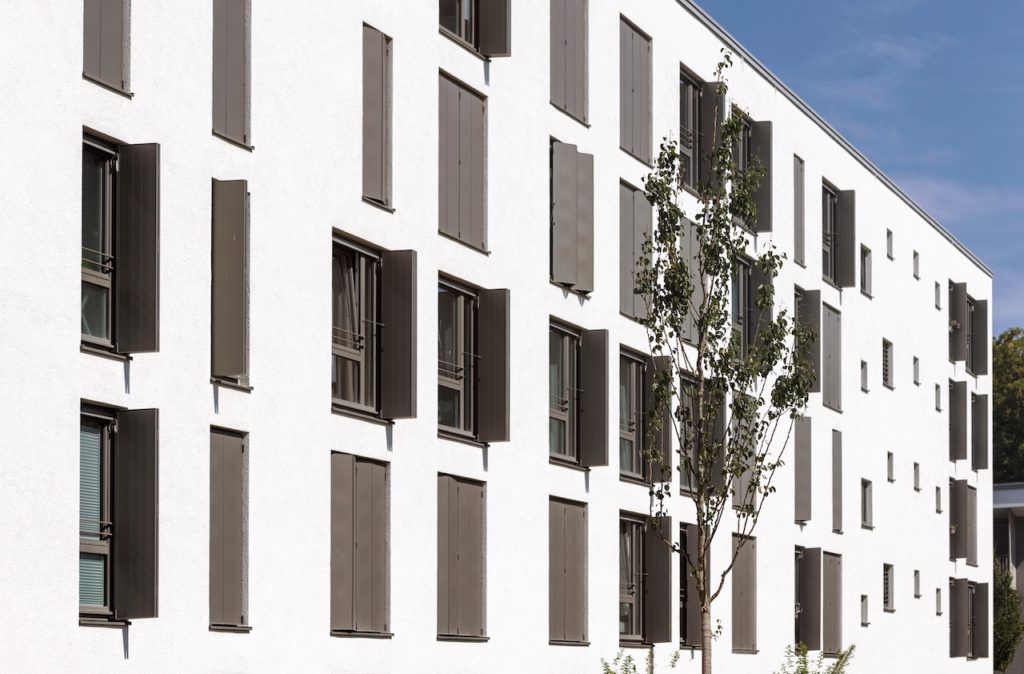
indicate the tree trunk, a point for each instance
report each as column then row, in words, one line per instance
column 705, row 640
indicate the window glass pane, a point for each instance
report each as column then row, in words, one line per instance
column 447, row 308
column 95, row 310
column 345, row 379
column 91, row 580
column 556, row 369
column 556, row 436
column 94, row 235
column 90, row 482
column 371, row 331
column 448, row 406
column 450, row 15
column 346, row 298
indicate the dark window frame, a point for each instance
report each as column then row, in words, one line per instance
column 742, row 302
column 631, row 372
column 969, row 328
column 888, row 588
column 459, row 375
column 361, row 346
column 631, row 590
column 468, row 35
column 829, row 251
column 98, row 267
column 865, row 272
column 888, row 378
column 690, row 148
column 105, row 421
column 866, row 504
column 564, row 407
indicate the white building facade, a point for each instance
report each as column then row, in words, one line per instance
column 273, row 474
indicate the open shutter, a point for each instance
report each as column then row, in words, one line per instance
column 627, row 258
column 231, row 69
column 136, row 519
column 798, row 210
column 761, row 140
column 971, row 526
column 105, row 43
column 744, row 595
column 832, row 603
column 342, row 541
column 375, row 59
column 846, row 239
column 493, row 378
column 690, row 242
column 563, row 216
column 495, row 27
column 718, row 434
column 981, row 613
column 802, row 467
column 810, row 317
column 398, row 335
column 979, row 432
column 473, row 138
column 626, row 85
column 137, row 249
column 584, row 223
column 693, row 635
column 958, row 516
column 230, row 277
column 837, row 481
column 760, row 319
column 642, row 229
column 658, row 440
column 958, row 322
column 227, row 546
column 557, row 570
column 448, row 157
column 980, row 343
column 713, row 111
column 810, row 598
column 959, row 609
column 658, row 602
column 958, row 420
column 593, row 397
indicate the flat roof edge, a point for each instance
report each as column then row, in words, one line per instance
column 733, row 43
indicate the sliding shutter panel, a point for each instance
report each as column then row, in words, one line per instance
column 231, row 69
column 342, row 542
column 642, row 228
column 370, row 564
column 810, row 317
column 557, row 570
column 981, row 628
column 802, row 467
column 980, row 343
column 958, row 322
column 230, row 277
column 761, row 137
column 837, row 481
column 810, row 599
column 470, row 577
column 846, row 239
column 958, row 515
column 658, row 440
column 626, row 85
column 398, row 335
column 593, row 396
column 136, row 520
column 447, row 555
column 712, row 113
column 760, row 318
column 832, row 568
column 693, row 635
column 227, row 522
column 564, row 216
column 137, row 249
column 979, row 432
column 744, row 595
column 584, row 223
column 658, row 586
column 689, row 240
column 971, row 526
column 106, row 42
column 495, row 27
column 576, row 581
column 493, row 379
column 576, row 58
column 627, row 260
column 448, row 157
column 798, row 210
column 642, row 97
column 958, row 420
column 472, row 227
column 959, row 622
column 376, row 61
column 560, row 60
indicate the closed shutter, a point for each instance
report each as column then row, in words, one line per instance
column 563, row 216
column 744, row 594
column 980, row 343
column 837, row 481
column 398, row 335
column 495, row 27
column 866, row 494
column 472, row 226
column 810, row 317
column 593, row 397
column 761, row 144
column 642, row 97
column 447, row 555
column 105, row 42
column 958, row 323
column 846, row 239
column 690, row 242
column 137, row 249
column 713, row 111
column 720, row 407
column 958, row 517
column 567, row 577
column 958, row 420
column 136, row 520
column 626, row 86
column 657, row 585
column 584, row 223
column 642, row 230
column 627, row 261
column 959, row 617
column 493, row 379
column 370, row 562
column 230, row 301
column 227, row 526
column 569, row 56
column 658, row 440
column 979, row 431
column 376, row 126
column 231, row 69
column 971, row 526
column 798, row 210
column 832, row 603
column 832, row 357
column 470, row 562
column 448, row 157
column 760, row 319
column 810, row 599
column 557, row 570
column 802, row 468
column 342, row 542
column 981, row 618
column 693, row 633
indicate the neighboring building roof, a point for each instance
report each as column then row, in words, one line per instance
column 1008, row 495
column 734, row 44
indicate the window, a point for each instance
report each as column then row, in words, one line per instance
column 969, row 612
column 567, row 566
column 578, row 387
column 888, row 579
column 572, row 217
column 917, row 266
column 938, row 398
column 979, row 431
column 473, row 364
column 462, row 213
column 482, row 25
column 917, row 371
column 744, row 594
column 865, row 271
column 838, row 236
column 376, row 116
column 689, row 128
column 563, row 368
column 917, row 584
column 634, row 227
column 837, row 482
column 120, row 246
column 888, row 244
column 957, row 420
column 634, row 91
column 831, row 341
column 917, row 476
column 829, row 249
column 631, row 418
column 229, row 553
column 890, row 473
column 938, row 295
column 231, row 70
column 229, row 306
column 107, row 43
column 360, row 524
column 864, row 376
column 866, row 504
column 864, row 611
column 743, row 157
column 117, row 512
column 887, row 362
column 631, row 579
column 461, row 542
column 938, row 601
column 569, row 46
column 741, row 301
column 798, row 210
column 938, row 499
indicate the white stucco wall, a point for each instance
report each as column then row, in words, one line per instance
column 304, row 177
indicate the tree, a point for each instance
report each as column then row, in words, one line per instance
column 750, row 379
column 1008, row 405
column 1007, row 624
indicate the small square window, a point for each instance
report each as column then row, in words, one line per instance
column 866, row 505
column 865, row 271
column 864, row 611
column 888, row 244
column 917, row 476
column 938, row 499
column 917, row 584
column 917, row 265
column 888, row 589
column 938, row 398
column 864, row 376
column 887, row 375
column 938, row 601
column 890, row 473
column 938, row 295
column 917, row 371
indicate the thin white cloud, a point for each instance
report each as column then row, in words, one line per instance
column 956, row 203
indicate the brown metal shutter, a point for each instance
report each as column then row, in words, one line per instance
column 810, row 599
column 567, row 566
column 971, row 526
column 593, row 396
column 448, row 157
column 846, row 239
column 470, row 579
column 105, row 42
column 802, row 468
column 230, row 301
column 136, row 519
column 744, row 595
column 584, row 223
column 560, row 47
column 369, row 552
column 693, row 635
column 810, row 317
column 981, row 626
column 760, row 318
column 137, row 249
column 959, row 617
column 626, row 85
column 958, row 420
column 798, row 210
column 690, row 242
column 342, row 541
column 659, row 440
column 227, row 523
column 398, row 335
column 642, row 229
column 626, row 258
column 980, row 343
column 718, row 432
column 713, row 111
column 832, row 357
column 472, row 225
column 642, row 97
column 557, row 570
column 837, row 481
column 447, row 555
column 231, row 69
column 495, row 27
column 376, row 57
column 658, row 602
column 958, row 314
column 493, row 379
column 958, row 517
column 563, row 213
column 979, row 432
column 832, row 602
column 761, row 140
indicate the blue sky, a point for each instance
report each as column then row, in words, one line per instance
column 932, row 91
